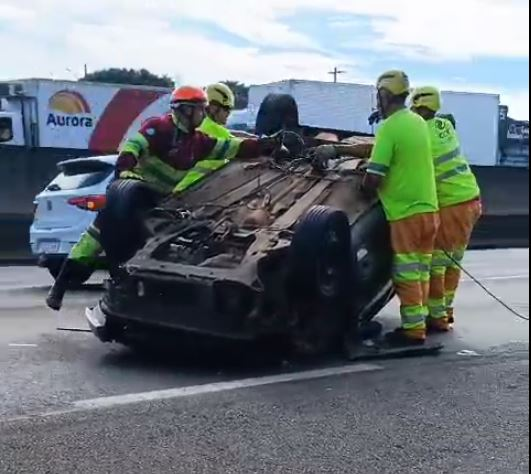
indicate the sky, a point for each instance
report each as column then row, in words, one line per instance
column 465, row 45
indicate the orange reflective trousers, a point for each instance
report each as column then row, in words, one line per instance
column 453, row 238
column 413, row 241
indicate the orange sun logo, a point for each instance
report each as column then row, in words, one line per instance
column 69, row 102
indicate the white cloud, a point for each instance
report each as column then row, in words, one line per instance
column 191, row 57
column 518, row 102
column 458, row 30
column 47, row 37
column 455, row 29
column 15, row 14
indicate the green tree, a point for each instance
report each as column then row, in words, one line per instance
column 241, row 91
column 135, row 77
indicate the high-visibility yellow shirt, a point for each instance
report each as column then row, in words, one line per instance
column 214, row 130
column 204, row 168
column 402, row 156
column 456, row 182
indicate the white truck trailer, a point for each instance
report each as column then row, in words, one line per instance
column 346, row 107
column 84, row 116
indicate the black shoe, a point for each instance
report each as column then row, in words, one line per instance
column 54, row 300
column 406, row 338
column 451, row 318
column 67, row 277
column 371, row 330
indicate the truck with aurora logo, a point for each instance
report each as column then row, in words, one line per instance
column 76, row 116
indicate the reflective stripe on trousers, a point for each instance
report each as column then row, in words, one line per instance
column 453, row 276
column 413, row 241
column 88, row 248
column 411, row 274
column 437, row 301
column 457, row 224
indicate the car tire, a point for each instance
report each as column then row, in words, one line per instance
column 277, row 112
column 121, row 222
column 320, row 279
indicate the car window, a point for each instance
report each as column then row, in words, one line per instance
column 77, row 176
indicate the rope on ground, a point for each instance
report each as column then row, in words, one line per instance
column 486, row 290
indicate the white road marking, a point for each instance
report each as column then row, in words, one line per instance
column 120, row 400
column 498, row 278
column 466, row 353
column 22, row 345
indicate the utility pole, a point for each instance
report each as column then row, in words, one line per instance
column 336, row 72
column 85, row 70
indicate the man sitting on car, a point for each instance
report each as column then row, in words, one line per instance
column 167, row 156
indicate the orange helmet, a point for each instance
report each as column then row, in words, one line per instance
column 188, row 95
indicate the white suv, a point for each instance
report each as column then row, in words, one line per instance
column 67, row 206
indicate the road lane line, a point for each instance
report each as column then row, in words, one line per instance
column 120, row 400
column 498, row 278
column 22, row 345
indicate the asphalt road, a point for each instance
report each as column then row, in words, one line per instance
column 70, row 404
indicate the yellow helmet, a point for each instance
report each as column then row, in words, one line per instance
column 429, row 97
column 395, row 82
column 221, row 94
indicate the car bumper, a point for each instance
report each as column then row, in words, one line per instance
column 52, row 242
column 183, row 307
column 97, row 321
column 51, row 246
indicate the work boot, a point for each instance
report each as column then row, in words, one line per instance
column 66, row 277
column 406, row 337
column 451, row 317
column 438, row 325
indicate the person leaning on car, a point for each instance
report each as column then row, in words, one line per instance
column 221, row 102
column 402, row 171
column 166, row 157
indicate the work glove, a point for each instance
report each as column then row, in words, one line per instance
column 363, row 166
column 375, row 117
column 268, row 145
column 126, row 162
column 322, row 156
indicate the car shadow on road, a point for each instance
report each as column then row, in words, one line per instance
column 233, row 360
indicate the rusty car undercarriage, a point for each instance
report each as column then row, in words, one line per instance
column 272, row 248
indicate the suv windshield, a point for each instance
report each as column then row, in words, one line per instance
column 80, row 175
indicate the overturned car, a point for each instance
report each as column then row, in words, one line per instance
column 273, row 249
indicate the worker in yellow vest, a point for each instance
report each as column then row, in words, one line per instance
column 221, row 102
column 460, row 207
column 166, row 157
column 401, row 170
